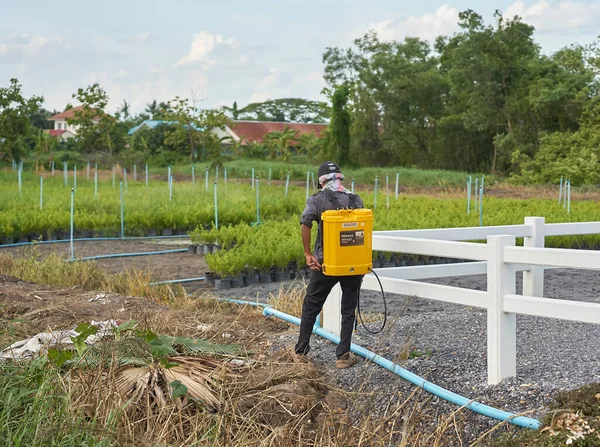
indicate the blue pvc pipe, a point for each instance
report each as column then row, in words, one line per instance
column 128, row 255
column 432, row 388
column 92, row 239
column 174, row 281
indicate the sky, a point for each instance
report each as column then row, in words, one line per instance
column 218, row 52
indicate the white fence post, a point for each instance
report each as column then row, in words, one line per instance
column 533, row 280
column 331, row 316
column 501, row 326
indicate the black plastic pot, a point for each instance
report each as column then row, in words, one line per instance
column 250, row 279
column 192, row 249
column 284, row 275
column 22, row 240
column 166, row 232
column 6, row 240
column 50, row 237
column 151, row 233
column 264, row 277
column 222, row 283
column 216, row 248
column 180, row 232
column 209, row 279
column 208, row 248
column 237, row 282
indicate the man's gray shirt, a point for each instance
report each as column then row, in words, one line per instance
column 317, row 204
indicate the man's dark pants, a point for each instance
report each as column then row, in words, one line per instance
column 316, row 293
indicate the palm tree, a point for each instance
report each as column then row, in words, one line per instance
column 124, row 109
column 279, row 142
column 310, row 145
column 152, row 108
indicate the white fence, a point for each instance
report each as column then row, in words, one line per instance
column 500, row 259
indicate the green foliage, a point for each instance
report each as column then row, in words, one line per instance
column 15, row 110
column 279, row 142
column 95, row 127
column 337, row 143
column 295, row 110
column 485, row 96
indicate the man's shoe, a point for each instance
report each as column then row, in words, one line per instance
column 345, row 361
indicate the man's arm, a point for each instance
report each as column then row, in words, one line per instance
column 311, row 261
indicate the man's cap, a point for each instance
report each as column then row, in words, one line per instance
column 327, row 168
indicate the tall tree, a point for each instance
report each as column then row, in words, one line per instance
column 15, row 110
column 152, row 109
column 490, row 69
column 188, row 125
column 124, row 110
column 95, row 126
column 337, row 145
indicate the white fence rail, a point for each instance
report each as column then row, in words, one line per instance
column 499, row 259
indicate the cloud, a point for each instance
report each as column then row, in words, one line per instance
column 428, row 26
column 552, row 16
column 202, row 45
column 137, row 38
column 28, row 44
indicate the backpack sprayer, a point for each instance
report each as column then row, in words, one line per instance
column 347, row 248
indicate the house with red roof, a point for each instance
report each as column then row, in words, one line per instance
column 246, row 132
column 61, row 121
column 61, row 135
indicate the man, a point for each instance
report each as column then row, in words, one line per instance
column 332, row 195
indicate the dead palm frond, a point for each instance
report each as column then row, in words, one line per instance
column 155, row 384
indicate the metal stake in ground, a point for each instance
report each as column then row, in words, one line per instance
column 122, row 211
column 193, row 175
column 269, row 176
column 88, row 170
column 52, row 168
column 216, row 208
column 135, row 173
column 257, row 204
column 206, row 181
column 72, row 249
column 252, row 179
column 96, row 182
column 217, row 173
column 146, row 174
column 125, row 177
column 65, row 172
column 387, row 192
column 397, row 178
column 469, row 195
column 560, row 190
column 352, row 185
column 75, row 177
column 20, row 179
column 569, row 197
column 287, row 183
column 171, row 188
column 41, row 191
column 312, row 175
column 481, row 206
column 307, row 180
column 225, row 175
column 376, row 187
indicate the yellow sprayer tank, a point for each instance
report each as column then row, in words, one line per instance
column 347, row 242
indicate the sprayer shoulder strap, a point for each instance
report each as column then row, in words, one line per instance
column 333, row 198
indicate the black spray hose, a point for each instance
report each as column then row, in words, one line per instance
column 384, row 308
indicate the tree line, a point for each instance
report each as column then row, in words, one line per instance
column 484, row 99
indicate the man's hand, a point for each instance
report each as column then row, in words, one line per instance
column 312, row 262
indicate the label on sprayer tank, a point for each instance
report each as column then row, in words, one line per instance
column 352, row 238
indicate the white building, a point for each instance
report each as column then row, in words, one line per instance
column 61, row 121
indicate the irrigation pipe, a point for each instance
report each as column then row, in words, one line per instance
column 92, row 239
column 176, row 281
column 430, row 387
column 127, row 255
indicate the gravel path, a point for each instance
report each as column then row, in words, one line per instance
column 447, row 345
